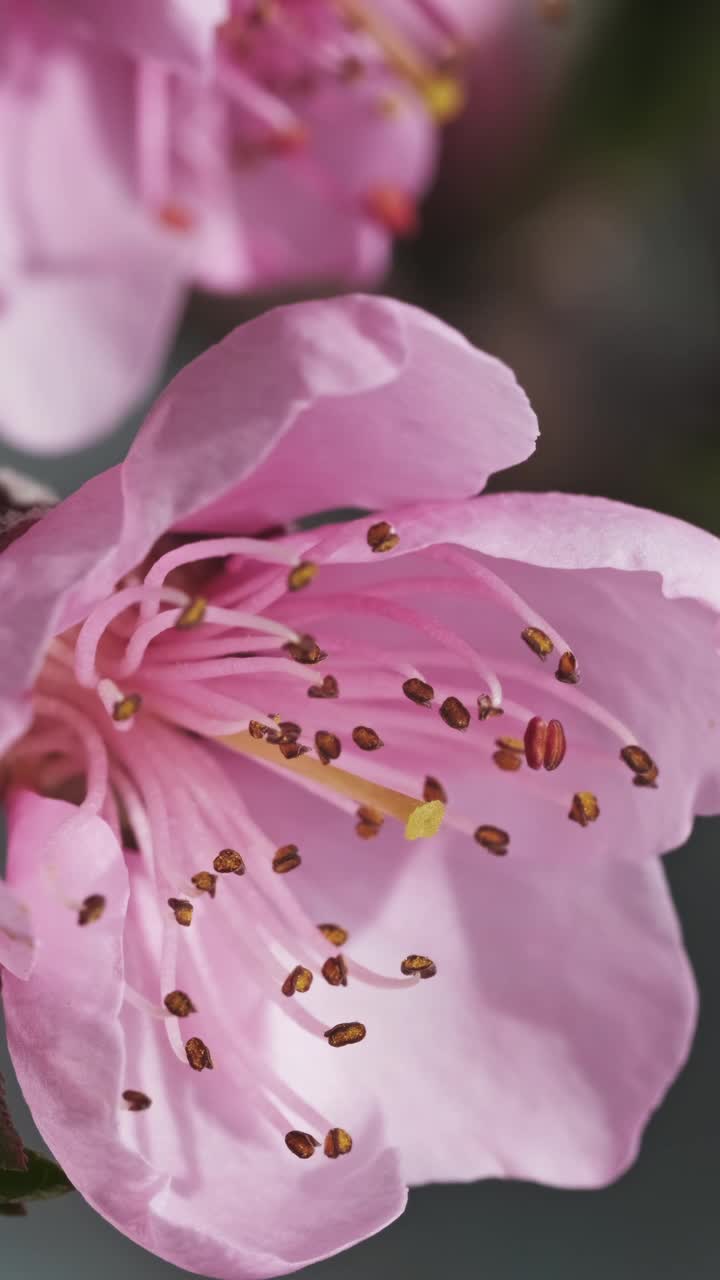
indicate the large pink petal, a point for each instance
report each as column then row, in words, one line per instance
column 17, row 943
column 195, row 1178
column 178, row 32
column 562, row 1009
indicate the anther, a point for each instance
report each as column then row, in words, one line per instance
column 301, row 575
column 486, row 707
column 91, row 909
column 584, row 808
column 193, row 614
column 334, row 971
column 301, row 1144
column 434, row 790
column 291, row 750
column 257, row 730
column 328, row 745
column 395, row 209
column 179, row 1004
column 287, row 731
column 345, row 1033
column 641, row 764
column 337, row 1143
column 508, row 761
column 198, row 1054
column 125, row 708
column 545, row 744
column 568, row 671
column 229, row 861
column 418, row 691
column 382, row 536
column 423, row 966
column 286, row 859
column 205, row 881
column 334, row 933
column 305, row 650
column 299, row 980
column 366, row 739
column 369, row 822
column 182, row 910
column 536, row 640
column 328, row 688
column 136, row 1100
column 494, row 839
column 454, row 713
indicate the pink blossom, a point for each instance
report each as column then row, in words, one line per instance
column 358, row 673
column 148, row 147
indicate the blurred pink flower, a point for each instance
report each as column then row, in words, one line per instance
column 181, row 908
column 147, row 147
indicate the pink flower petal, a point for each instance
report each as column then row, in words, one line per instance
column 17, row 944
column 178, row 32
column 194, row 1178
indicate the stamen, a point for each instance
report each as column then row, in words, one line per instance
column 345, row 1033
column 286, row 859
column 328, row 688
column 425, row 820
column 382, row 537
column 337, row 1143
column 486, row 707
column 584, row 808
column 205, row 882
column 545, row 744
column 507, row 760
column 334, row 971
column 434, row 790
column 103, row 614
column 494, row 839
column 419, row 691
column 301, row 575
column 126, row 707
column 423, row 966
column 366, row 739
column 198, row 1054
column 192, row 615
column 182, row 910
column 305, row 650
column 179, row 1004
column 369, row 822
column 136, row 1100
column 328, row 745
column 641, row 764
column 538, row 641
column 455, row 714
column 567, row 669
column 301, row 1144
column 229, row 862
column 334, row 934
column 510, row 744
column 299, row 980
column 92, row 909
column 396, row 210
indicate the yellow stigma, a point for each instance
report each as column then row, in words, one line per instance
column 420, row 820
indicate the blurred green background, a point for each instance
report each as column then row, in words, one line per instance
column 574, row 232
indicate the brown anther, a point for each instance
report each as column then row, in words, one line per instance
column 182, row 910
column 327, row 689
column 555, row 746
column 205, row 881
column 508, row 761
column 291, row 750
column 369, row 822
column 418, row 691
column 136, row 1100
column 568, row 671
column 641, row 764
column 198, row 1054
column 91, row 909
column 301, row 1144
column 584, row 808
column 193, row 614
column 286, row 859
column 287, row 731
column 423, row 966
column 334, row 971
column 334, row 933
column 229, row 861
column 125, row 708
column 434, row 790
column 382, row 536
column 337, row 1143
column 494, row 839
column 299, row 980
column 536, row 640
column 535, row 736
column 486, row 707
column 328, row 745
column 179, row 1004
column 301, row 575
column 454, row 713
column 345, row 1033
column 305, row 650
column 366, row 739
column 257, row 730
column 510, row 744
